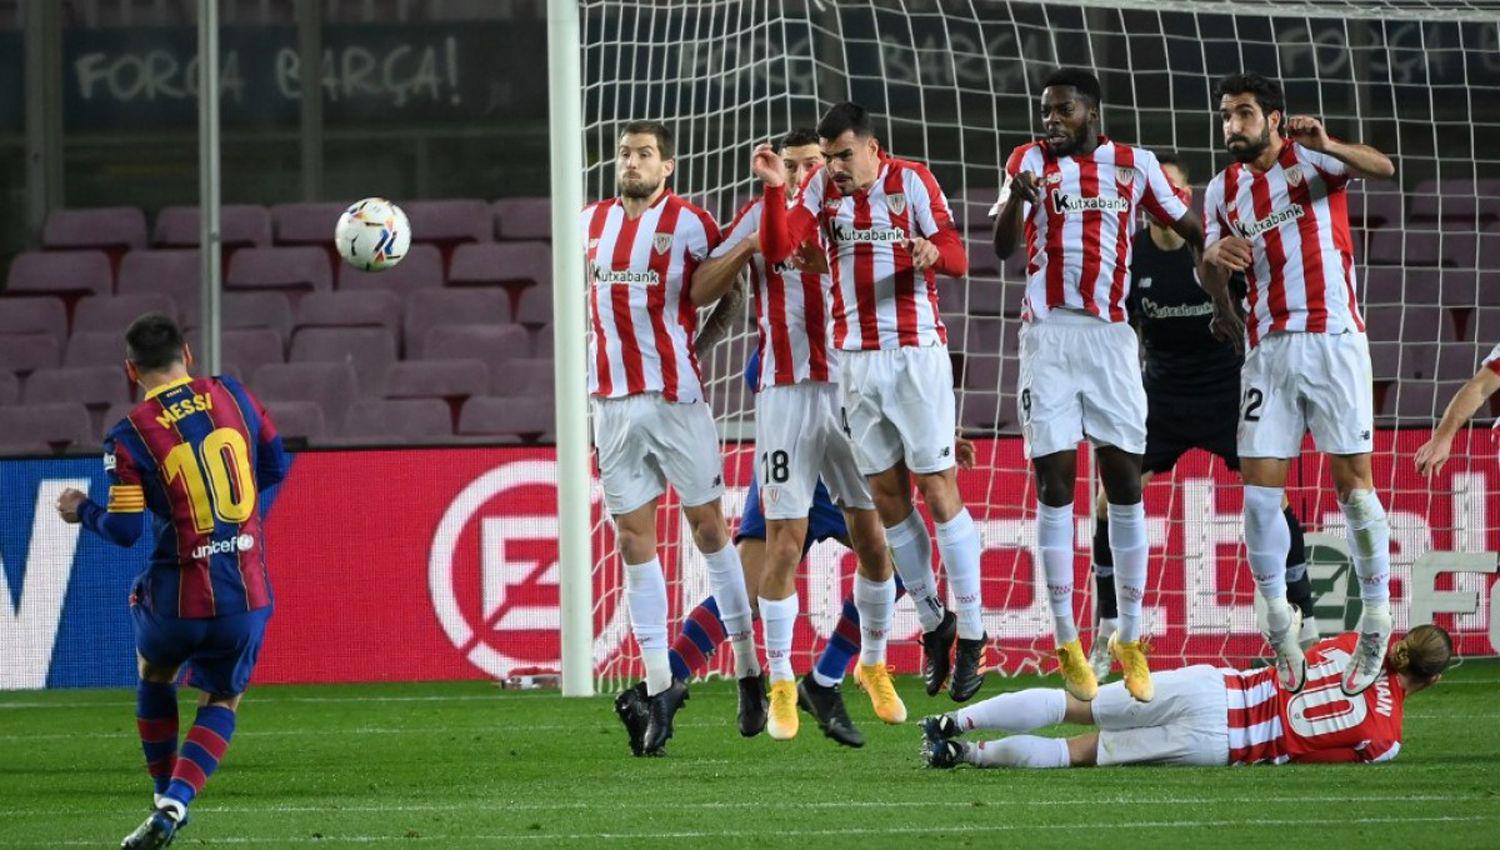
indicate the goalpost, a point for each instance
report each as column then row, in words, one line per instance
column 953, row 83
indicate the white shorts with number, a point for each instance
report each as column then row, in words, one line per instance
column 799, row 435
column 644, row 441
column 1187, row 722
column 899, row 406
column 1080, row 377
column 1293, row 383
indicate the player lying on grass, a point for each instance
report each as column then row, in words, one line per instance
column 1203, row 715
column 1466, row 402
column 198, row 454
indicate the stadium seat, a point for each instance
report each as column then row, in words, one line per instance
column 42, row 314
column 979, row 410
column 982, row 372
column 332, row 386
column 240, row 225
column 106, row 314
column 982, row 259
column 297, row 420
column 1458, row 249
column 243, row 310
column 1460, row 288
column 541, row 341
column 1457, row 200
column 452, row 220
column 489, row 415
column 371, row 351
column 952, row 299
column 986, row 296
column 535, row 308
column 28, row 449
column 1487, row 287
column 92, row 386
column 1457, row 361
column 501, row 263
column 22, row 353
column 248, row 349
column 492, row 344
column 69, row 273
column 447, row 379
column 10, row 388
column 972, row 212
column 430, row 308
column 1419, row 361
column 173, row 273
column 95, row 348
column 421, row 268
column 302, row 268
column 58, row 424
column 376, row 308
column 107, row 228
column 519, row 219
column 531, row 378
column 1404, row 247
column 306, row 223
column 1484, row 327
column 399, row 419
column 1421, row 324
column 1375, row 205
column 114, row 414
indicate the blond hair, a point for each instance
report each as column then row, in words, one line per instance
column 1423, row 653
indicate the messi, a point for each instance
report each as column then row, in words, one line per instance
column 187, row 407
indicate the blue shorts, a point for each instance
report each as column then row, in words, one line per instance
column 219, row 652
column 824, row 519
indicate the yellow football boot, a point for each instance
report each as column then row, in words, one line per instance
column 876, row 680
column 1132, row 658
column 1078, row 675
column 782, row 724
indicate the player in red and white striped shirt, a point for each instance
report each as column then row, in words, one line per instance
column 1465, row 403
column 1076, row 195
column 1207, row 716
column 798, row 438
column 651, row 425
column 1279, row 214
column 888, row 232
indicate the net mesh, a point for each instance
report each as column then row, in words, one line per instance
column 955, row 85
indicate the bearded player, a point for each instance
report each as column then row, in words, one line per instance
column 1074, row 196
column 1279, row 214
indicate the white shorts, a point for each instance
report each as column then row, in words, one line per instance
column 644, row 441
column 898, row 405
column 799, row 435
column 1187, row 722
column 1293, row 383
column 1080, row 377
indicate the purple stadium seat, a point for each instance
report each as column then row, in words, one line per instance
column 421, row 268
column 399, row 419
column 952, row 299
column 306, row 223
column 242, row 310
column 332, row 386
column 117, row 228
column 535, row 309
column 986, row 296
column 93, row 386
column 1427, row 324
column 172, row 273
column 541, row 342
column 371, row 351
column 494, row 344
column 429, row 308
column 300, row 268
column 973, row 211
column 437, row 379
column 44, row 315
column 1398, row 247
column 114, row 414
column 373, row 308
column 1385, row 360
column 491, row 263
column 22, row 353
column 1458, row 249
column 26, row 449
column 1459, row 288
column 58, row 424
column 1419, row 361
column 496, row 415
column 1457, row 200
column 1484, row 327
column 60, row 273
column 1489, row 249
column 982, row 259
column 1375, row 206
column 1487, row 287
column 982, row 372
column 450, row 221
column 297, row 419
column 239, row 225
column 528, row 377
column 10, row 387
column 248, row 349
column 114, row 314
column 979, row 410
column 1457, row 361
column 95, row 348
column 983, row 336
column 519, row 219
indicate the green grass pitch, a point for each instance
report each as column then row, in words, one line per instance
column 466, row 765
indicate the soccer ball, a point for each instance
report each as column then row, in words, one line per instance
column 372, row 235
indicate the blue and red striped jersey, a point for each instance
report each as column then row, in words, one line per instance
column 197, row 454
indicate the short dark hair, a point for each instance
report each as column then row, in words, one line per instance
column 1170, row 157
column 153, row 342
column 1082, row 82
column 1267, row 91
column 660, row 131
column 798, row 137
column 843, row 117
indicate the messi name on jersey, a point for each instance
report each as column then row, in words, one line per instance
column 177, row 410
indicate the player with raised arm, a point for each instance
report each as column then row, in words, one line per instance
column 198, row 454
column 1279, row 214
column 1074, row 196
column 1192, row 382
column 888, row 232
column 1465, row 403
column 1207, row 716
column 651, row 424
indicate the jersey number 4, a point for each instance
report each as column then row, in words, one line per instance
column 228, row 494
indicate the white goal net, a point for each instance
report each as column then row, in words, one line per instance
column 955, row 85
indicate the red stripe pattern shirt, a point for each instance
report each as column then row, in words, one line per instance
column 791, row 312
column 640, row 273
column 1317, row 724
column 1296, row 218
column 1079, row 238
column 1492, row 361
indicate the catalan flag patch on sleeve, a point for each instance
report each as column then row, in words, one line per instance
column 127, row 499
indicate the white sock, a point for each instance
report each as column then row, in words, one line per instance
column 778, row 618
column 1130, row 547
column 958, row 541
column 1054, row 538
column 1370, row 544
column 1267, row 542
column 875, row 601
column 911, row 552
column 1020, row 751
column 727, row 580
column 646, row 597
column 1021, row 711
